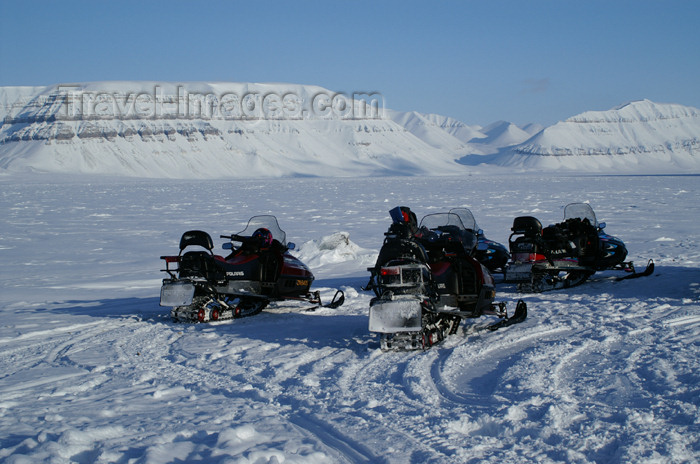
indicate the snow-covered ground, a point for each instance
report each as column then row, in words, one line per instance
column 92, row 370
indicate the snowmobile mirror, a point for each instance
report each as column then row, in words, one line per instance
column 481, row 246
column 601, row 226
column 227, row 246
column 291, row 246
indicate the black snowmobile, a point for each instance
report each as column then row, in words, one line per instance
column 426, row 280
column 490, row 253
column 565, row 254
column 206, row 287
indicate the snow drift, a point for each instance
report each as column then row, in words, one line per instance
column 335, row 251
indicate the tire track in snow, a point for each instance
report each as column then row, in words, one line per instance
column 394, row 411
column 403, row 407
column 50, row 353
column 26, row 352
column 418, row 378
column 149, row 351
column 304, row 385
column 689, row 321
column 352, row 450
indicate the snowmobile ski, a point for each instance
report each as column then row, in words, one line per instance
column 336, row 302
column 518, row 316
column 645, row 273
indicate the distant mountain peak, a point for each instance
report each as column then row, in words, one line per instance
column 639, row 136
column 638, row 110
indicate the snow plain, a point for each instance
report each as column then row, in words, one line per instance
column 93, row 371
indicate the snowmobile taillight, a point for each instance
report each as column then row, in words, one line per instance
column 237, row 311
column 171, row 259
column 390, row 271
column 528, row 257
column 200, row 315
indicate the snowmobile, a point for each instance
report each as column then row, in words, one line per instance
column 490, row 253
column 204, row 287
column 565, row 254
column 426, row 280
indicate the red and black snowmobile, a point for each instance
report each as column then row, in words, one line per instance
column 204, row 287
column 564, row 254
column 426, row 280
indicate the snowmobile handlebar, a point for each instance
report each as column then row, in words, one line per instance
column 236, row 238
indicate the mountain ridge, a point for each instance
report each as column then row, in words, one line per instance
column 201, row 130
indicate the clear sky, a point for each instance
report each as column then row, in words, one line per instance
column 477, row 61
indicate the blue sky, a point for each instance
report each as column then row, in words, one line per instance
column 539, row 61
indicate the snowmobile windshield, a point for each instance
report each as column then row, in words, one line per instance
column 435, row 221
column 581, row 211
column 265, row 222
column 447, row 224
column 467, row 218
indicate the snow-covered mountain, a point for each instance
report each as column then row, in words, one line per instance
column 204, row 130
column 498, row 135
column 638, row 136
column 434, row 128
column 532, row 128
column 151, row 129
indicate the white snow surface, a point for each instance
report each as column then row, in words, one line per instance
column 93, row 371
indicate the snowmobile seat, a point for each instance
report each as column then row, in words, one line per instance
column 527, row 225
column 200, row 264
column 529, row 232
column 196, row 238
column 399, row 248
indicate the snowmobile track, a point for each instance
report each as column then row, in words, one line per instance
column 349, row 450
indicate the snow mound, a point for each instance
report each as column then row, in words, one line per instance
column 333, row 249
